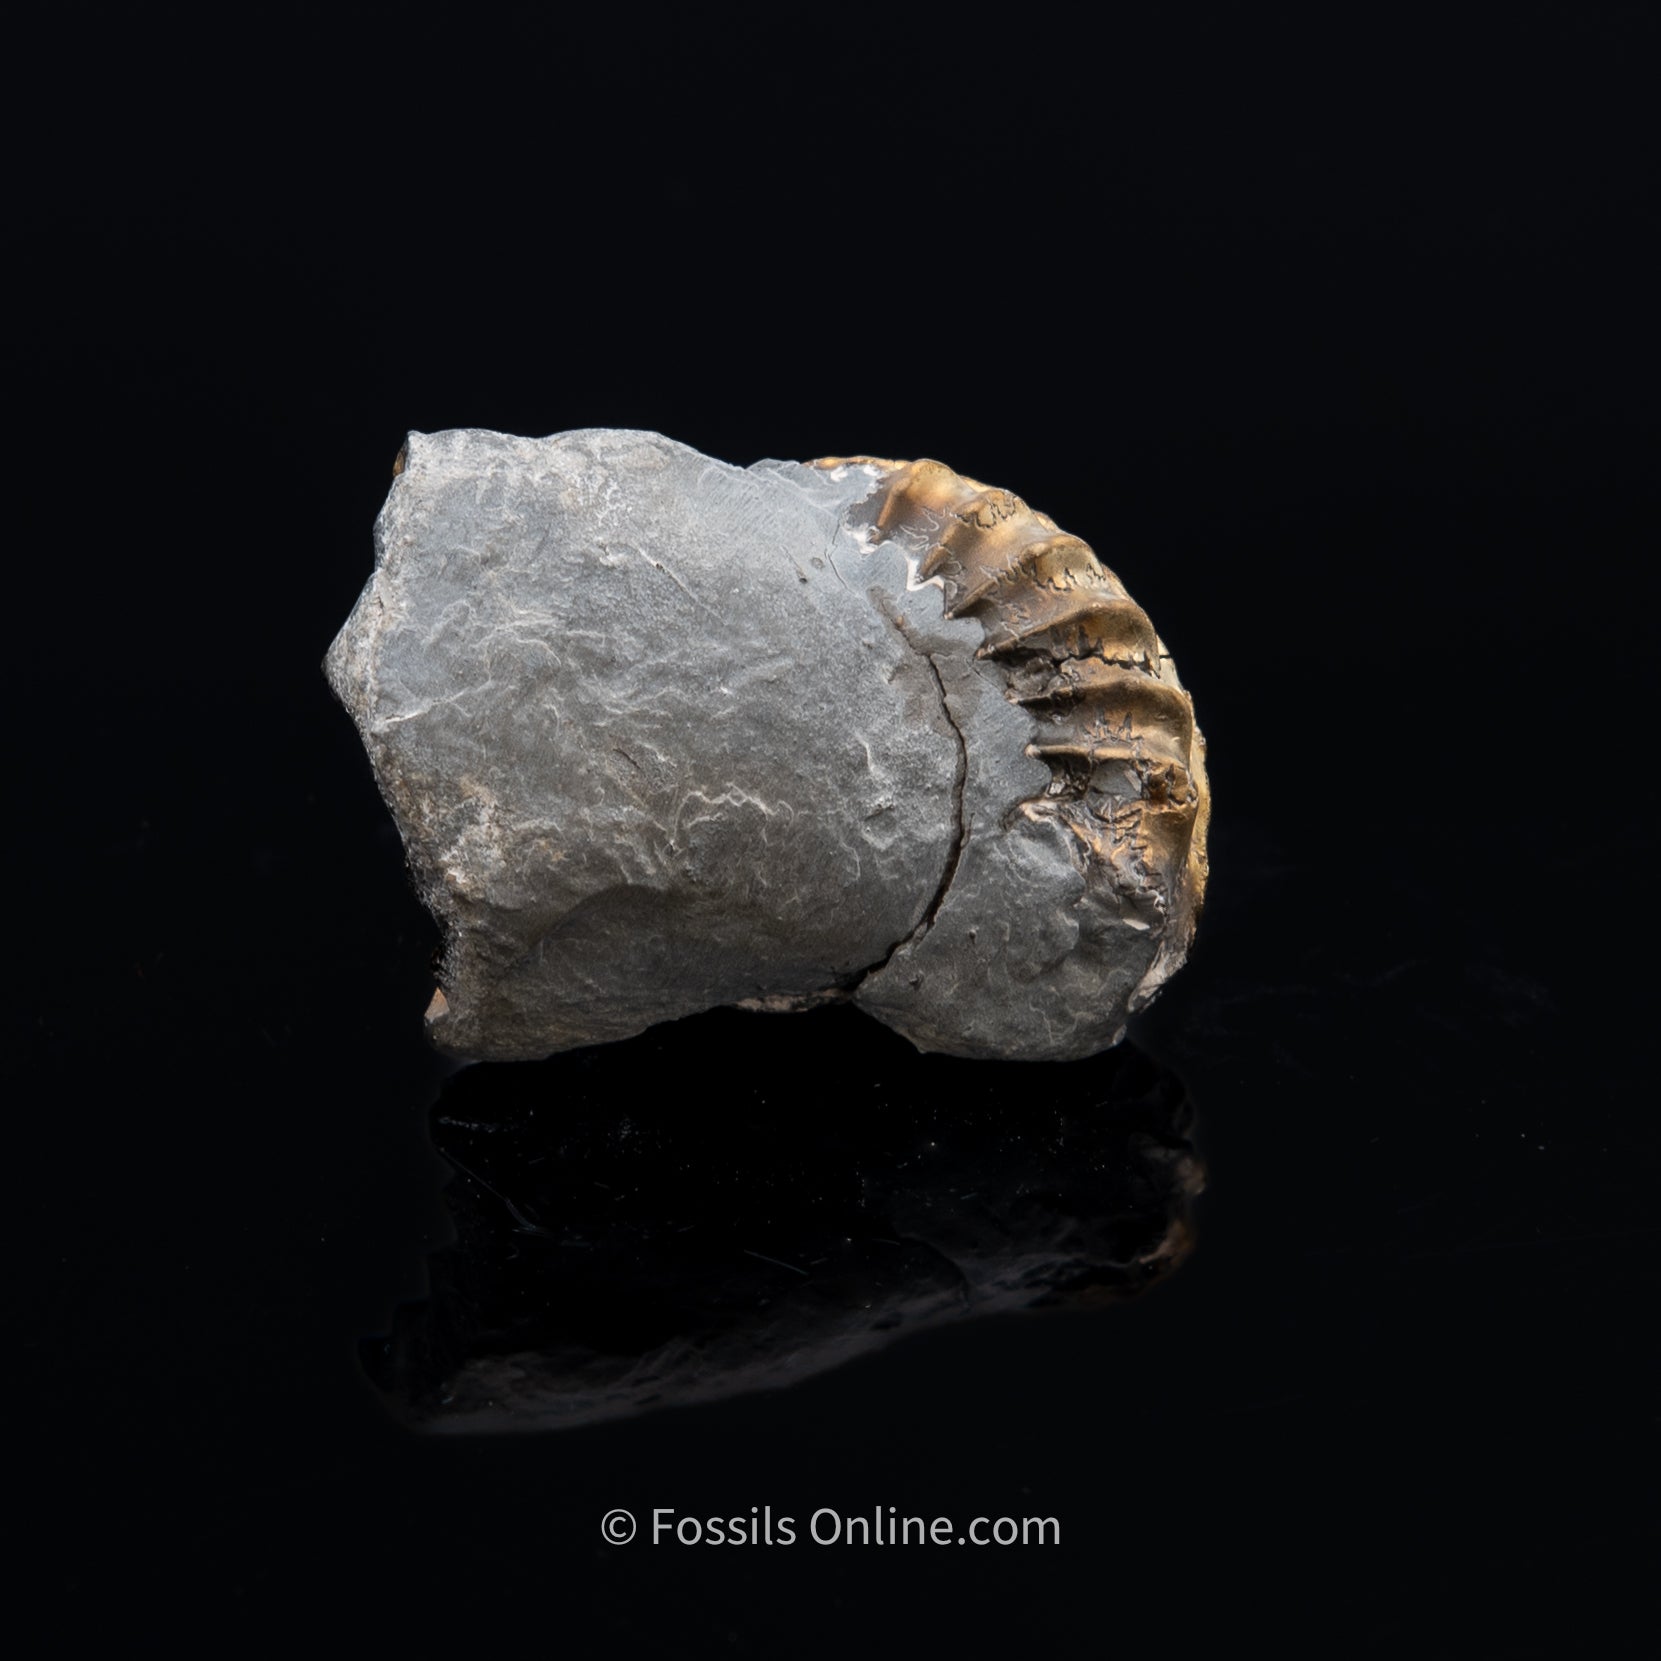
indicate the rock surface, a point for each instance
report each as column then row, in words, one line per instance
column 662, row 734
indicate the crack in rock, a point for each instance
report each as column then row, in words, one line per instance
column 960, row 780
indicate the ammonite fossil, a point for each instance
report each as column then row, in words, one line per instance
column 662, row 734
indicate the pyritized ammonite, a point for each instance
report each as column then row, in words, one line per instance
column 661, row 734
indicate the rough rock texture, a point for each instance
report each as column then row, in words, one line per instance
column 661, row 734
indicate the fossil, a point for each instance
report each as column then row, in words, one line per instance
column 662, row 734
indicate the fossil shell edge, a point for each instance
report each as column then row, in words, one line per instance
column 1126, row 800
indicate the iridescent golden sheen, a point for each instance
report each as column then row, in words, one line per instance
column 1127, row 762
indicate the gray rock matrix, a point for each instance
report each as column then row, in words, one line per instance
column 662, row 734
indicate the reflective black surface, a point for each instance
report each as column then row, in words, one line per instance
column 1328, row 331
column 625, row 1242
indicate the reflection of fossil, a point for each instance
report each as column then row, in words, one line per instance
column 620, row 1255
column 662, row 734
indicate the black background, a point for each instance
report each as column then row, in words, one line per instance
column 1328, row 329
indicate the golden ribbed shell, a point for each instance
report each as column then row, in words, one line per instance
column 1127, row 762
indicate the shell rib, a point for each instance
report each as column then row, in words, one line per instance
column 1117, row 730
